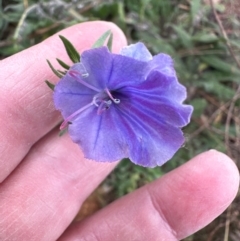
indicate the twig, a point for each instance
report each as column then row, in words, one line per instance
column 219, row 22
column 212, row 117
column 215, row 230
column 216, row 103
column 25, row 3
column 22, row 19
column 46, row 29
column 234, row 99
column 227, row 224
column 89, row 6
column 237, row 93
column 230, row 219
column 229, row 115
column 237, row 128
column 5, row 43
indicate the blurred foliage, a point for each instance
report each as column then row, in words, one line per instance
column 185, row 29
column 128, row 177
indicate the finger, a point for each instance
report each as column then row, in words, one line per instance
column 26, row 106
column 171, row 208
column 43, row 194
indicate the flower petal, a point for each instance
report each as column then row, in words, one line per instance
column 166, row 86
column 99, row 136
column 144, row 101
column 70, row 95
column 137, row 51
column 162, row 63
column 98, row 64
column 126, row 71
column 151, row 141
column 151, row 115
column 111, row 70
column 161, row 108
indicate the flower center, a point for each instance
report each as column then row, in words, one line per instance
column 102, row 100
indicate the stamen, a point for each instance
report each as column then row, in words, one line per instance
column 65, row 122
column 100, row 108
column 76, row 75
column 95, row 99
column 81, row 68
column 116, row 101
column 104, row 106
column 108, row 102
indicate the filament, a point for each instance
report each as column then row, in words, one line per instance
column 69, row 118
column 116, row 101
column 76, row 74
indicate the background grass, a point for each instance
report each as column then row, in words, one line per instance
column 189, row 32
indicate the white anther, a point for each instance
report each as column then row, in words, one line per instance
column 85, row 75
column 108, row 102
column 94, row 101
column 117, row 101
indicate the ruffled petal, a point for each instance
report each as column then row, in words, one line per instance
column 162, row 63
column 151, row 142
column 160, row 108
column 159, row 84
column 152, row 116
column 137, row 51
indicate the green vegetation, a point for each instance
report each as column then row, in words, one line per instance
column 189, row 32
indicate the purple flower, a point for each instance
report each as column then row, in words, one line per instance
column 124, row 105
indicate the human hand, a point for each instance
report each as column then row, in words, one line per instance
column 45, row 179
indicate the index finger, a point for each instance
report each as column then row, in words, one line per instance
column 26, row 107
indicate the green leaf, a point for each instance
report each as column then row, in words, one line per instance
column 220, row 64
column 62, row 72
column 195, row 8
column 199, row 105
column 54, row 70
column 110, row 41
column 100, row 42
column 50, row 85
column 121, row 12
column 219, row 76
column 62, row 132
column 235, row 43
column 222, row 91
column 71, row 51
column 184, row 36
column 64, row 65
column 205, row 38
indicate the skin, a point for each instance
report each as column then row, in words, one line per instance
column 45, row 179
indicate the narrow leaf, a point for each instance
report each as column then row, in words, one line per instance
column 110, row 41
column 71, row 51
column 50, row 85
column 199, row 105
column 100, row 42
column 62, row 72
column 205, row 38
column 195, row 8
column 64, row 65
column 220, row 64
column 65, row 130
column 62, row 132
column 184, row 36
column 54, row 70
